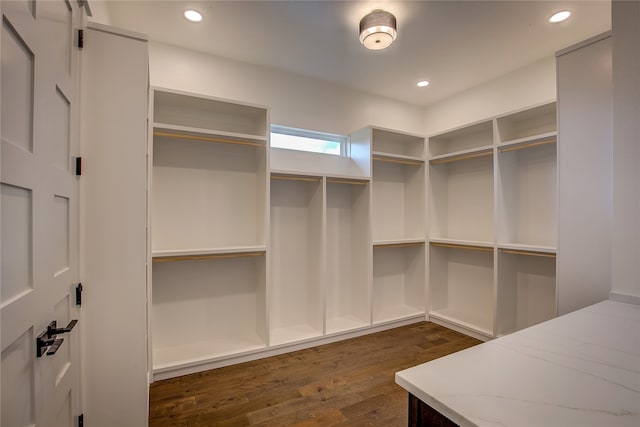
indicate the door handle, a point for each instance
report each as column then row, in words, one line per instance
column 47, row 343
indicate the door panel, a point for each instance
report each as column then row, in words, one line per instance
column 38, row 211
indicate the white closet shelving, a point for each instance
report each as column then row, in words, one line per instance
column 493, row 223
column 398, row 225
column 347, row 254
column 526, row 289
column 297, row 261
column 461, row 177
column 398, row 212
column 461, row 286
column 208, row 229
column 527, row 169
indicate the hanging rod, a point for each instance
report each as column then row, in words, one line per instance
column 529, row 145
column 529, row 253
column 173, row 258
column 397, row 245
column 399, row 161
column 461, row 157
column 466, row 247
column 206, row 138
column 346, row 181
column 296, row 178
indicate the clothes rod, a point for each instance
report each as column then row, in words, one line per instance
column 528, row 253
column 206, row 139
column 346, row 181
column 529, row 145
column 206, row 256
column 466, row 247
column 461, row 157
column 296, row 178
column 399, row 161
column 397, row 245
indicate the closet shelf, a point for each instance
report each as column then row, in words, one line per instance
column 485, row 151
column 468, row 321
column 461, row 242
column 398, row 243
column 197, row 254
column 527, row 248
column 529, row 142
column 459, row 246
column 162, row 130
column 402, row 160
column 287, row 177
column 347, row 181
column 528, row 253
column 394, row 156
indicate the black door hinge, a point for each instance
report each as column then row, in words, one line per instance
column 81, row 420
column 79, row 294
column 80, row 39
column 78, row 166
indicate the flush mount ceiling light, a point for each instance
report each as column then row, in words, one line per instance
column 559, row 16
column 193, row 15
column 422, row 83
column 378, row 29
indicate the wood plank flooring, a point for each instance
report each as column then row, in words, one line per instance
column 348, row 383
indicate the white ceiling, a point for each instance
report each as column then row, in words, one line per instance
column 453, row 44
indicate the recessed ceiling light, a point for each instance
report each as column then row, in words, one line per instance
column 422, row 83
column 559, row 16
column 193, row 15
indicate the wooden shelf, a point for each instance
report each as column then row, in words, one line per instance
column 461, row 242
column 400, row 160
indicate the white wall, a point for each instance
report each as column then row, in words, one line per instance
column 99, row 12
column 626, row 149
column 527, row 86
column 294, row 100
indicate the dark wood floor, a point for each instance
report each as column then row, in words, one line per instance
column 349, row 383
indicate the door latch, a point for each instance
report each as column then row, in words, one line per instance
column 47, row 342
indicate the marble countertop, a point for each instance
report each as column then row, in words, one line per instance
column 580, row 369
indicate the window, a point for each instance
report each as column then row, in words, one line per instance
column 307, row 140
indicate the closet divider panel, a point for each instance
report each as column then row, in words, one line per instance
column 297, row 261
column 348, row 255
column 526, row 289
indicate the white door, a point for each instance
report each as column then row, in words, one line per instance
column 39, row 208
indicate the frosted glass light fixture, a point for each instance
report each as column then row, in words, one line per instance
column 378, row 30
column 559, row 16
column 193, row 15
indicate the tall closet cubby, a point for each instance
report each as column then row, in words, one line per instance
column 249, row 260
column 208, row 216
column 493, row 223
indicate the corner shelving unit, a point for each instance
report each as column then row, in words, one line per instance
column 348, row 255
column 297, row 261
column 492, row 253
column 208, row 229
